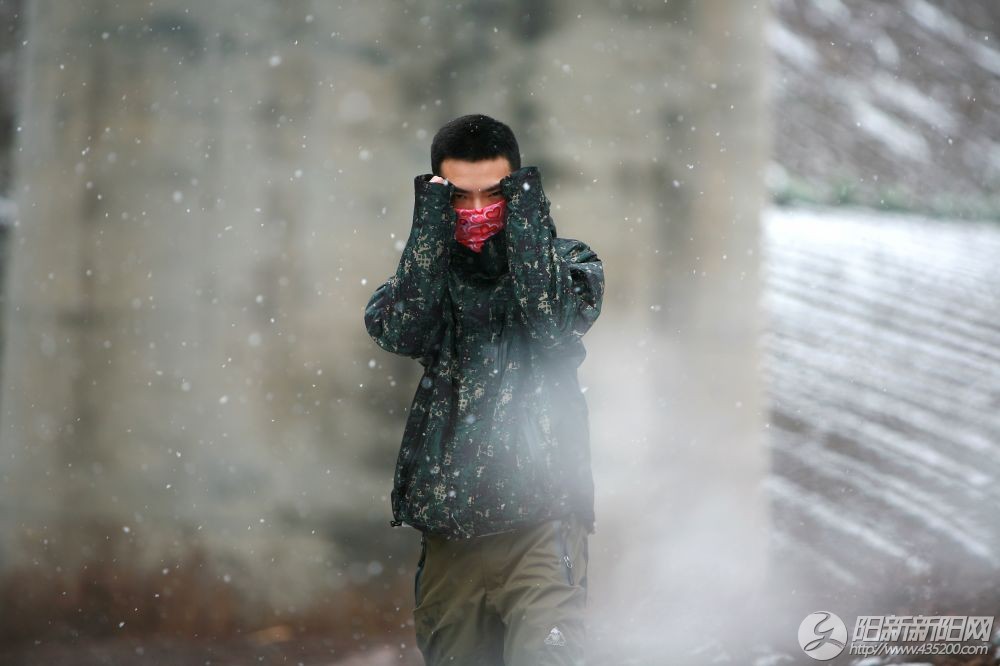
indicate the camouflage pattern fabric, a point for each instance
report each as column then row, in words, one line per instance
column 497, row 436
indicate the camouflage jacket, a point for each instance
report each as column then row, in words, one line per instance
column 497, row 435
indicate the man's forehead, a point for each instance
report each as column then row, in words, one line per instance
column 472, row 188
column 480, row 176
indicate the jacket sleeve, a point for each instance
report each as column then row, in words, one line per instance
column 558, row 283
column 404, row 315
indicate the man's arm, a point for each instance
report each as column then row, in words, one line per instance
column 404, row 315
column 560, row 293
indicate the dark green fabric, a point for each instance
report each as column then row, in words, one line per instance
column 497, row 435
column 516, row 598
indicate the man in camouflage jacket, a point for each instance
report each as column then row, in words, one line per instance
column 494, row 467
column 497, row 434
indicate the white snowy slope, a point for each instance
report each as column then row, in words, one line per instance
column 883, row 372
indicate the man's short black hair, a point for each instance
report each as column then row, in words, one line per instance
column 472, row 138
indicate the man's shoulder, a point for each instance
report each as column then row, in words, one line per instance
column 574, row 250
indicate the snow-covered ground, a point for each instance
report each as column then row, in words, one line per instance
column 883, row 371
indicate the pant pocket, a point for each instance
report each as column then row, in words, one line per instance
column 565, row 554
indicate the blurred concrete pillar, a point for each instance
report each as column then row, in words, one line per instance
column 690, row 566
column 166, row 383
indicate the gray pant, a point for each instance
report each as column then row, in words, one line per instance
column 511, row 599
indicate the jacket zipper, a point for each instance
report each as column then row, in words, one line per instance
column 498, row 325
column 499, row 342
column 499, row 355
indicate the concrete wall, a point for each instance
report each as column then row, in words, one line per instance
column 207, row 195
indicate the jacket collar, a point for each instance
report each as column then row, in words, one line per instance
column 489, row 263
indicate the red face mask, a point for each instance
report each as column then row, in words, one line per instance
column 475, row 225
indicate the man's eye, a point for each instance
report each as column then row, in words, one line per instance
column 456, row 196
